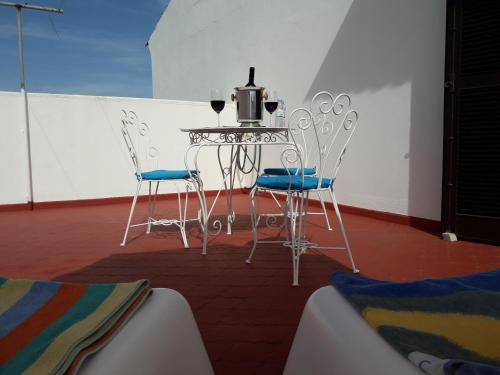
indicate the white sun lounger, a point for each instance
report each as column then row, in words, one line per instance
column 161, row 338
column 333, row 339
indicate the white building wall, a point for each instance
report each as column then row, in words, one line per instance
column 388, row 54
column 78, row 150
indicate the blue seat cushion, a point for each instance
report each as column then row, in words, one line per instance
column 283, row 182
column 162, row 174
column 283, row 171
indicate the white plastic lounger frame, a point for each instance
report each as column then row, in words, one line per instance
column 333, row 339
column 162, row 337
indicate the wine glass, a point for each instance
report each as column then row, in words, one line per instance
column 271, row 104
column 217, row 102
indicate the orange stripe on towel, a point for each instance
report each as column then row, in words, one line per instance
column 65, row 298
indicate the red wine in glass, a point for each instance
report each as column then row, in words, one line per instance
column 218, row 105
column 217, row 102
column 271, row 106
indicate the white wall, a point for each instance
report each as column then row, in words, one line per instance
column 78, row 150
column 13, row 170
column 388, row 54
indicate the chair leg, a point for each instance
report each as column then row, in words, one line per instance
column 204, row 213
column 148, row 229
column 182, row 217
column 253, row 218
column 151, row 205
column 325, row 213
column 295, row 260
column 290, row 209
column 198, row 217
column 185, row 208
column 134, row 201
column 304, row 211
column 286, row 211
column 275, row 199
column 342, row 230
column 295, row 240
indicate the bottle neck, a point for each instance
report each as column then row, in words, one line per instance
column 251, row 75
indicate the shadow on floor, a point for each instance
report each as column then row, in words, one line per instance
column 240, row 308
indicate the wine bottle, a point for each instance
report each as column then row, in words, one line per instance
column 251, row 77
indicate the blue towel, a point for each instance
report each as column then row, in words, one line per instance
column 450, row 324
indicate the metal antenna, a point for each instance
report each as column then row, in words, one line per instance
column 19, row 7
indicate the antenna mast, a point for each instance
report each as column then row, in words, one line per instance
column 19, row 7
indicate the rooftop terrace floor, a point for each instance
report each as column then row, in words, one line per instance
column 247, row 314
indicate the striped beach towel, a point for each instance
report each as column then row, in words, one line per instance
column 50, row 327
column 446, row 326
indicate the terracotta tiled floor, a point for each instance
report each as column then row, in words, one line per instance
column 247, row 314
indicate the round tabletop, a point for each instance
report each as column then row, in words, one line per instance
column 235, row 129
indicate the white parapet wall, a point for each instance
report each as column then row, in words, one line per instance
column 387, row 54
column 78, row 150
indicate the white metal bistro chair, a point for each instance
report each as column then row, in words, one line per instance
column 137, row 136
column 329, row 132
column 308, row 154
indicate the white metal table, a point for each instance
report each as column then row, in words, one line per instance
column 240, row 140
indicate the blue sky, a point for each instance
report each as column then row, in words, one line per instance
column 96, row 47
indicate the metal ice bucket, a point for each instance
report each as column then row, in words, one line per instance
column 249, row 105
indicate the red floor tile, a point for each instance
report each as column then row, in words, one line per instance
column 247, row 314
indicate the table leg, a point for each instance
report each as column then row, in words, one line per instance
column 200, row 192
column 228, row 173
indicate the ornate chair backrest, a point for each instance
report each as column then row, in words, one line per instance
column 323, row 132
column 299, row 123
column 137, row 136
column 298, row 126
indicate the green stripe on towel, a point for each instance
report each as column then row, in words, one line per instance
column 91, row 317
